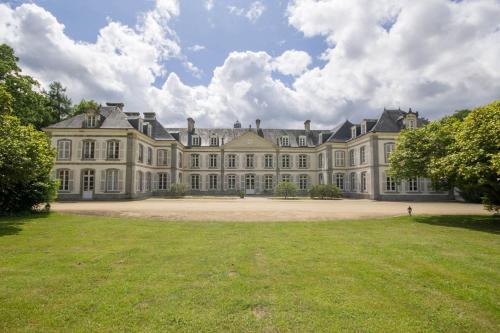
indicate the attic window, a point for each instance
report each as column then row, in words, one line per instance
column 284, row 141
column 196, row 140
column 91, row 120
column 140, row 126
column 214, row 140
column 149, row 129
column 302, row 141
column 353, row 132
column 363, row 128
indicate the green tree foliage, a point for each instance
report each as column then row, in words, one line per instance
column 85, row 105
column 178, row 189
column 26, row 160
column 26, row 101
column 325, row 191
column 58, row 101
column 462, row 150
column 286, row 189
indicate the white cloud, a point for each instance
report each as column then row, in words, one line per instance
column 253, row 13
column 292, row 62
column 209, row 4
column 196, row 48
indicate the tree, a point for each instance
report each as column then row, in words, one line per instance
column 85, row 105
column 27, row 102
column 58, row 101
column 286, row 189
column 26, row 160
column 325, row 191
column 461, row 151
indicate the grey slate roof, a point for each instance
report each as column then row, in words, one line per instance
column 113, row 118
column 341, row 133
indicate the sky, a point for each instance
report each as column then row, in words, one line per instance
column 283, row 62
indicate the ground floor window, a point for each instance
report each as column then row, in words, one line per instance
column 140, row 181
column 268, row 182
column 212, row 182
column 353, row 182
column 303, row 182
column 148, row 182
column 413, row 184
column 63, row 176
column 195, row 182
column 111, row 180
column 390, row 184
column 88, row 180
column 163, row 181
column 339, row 181
column 286, row 178
column 231, row 182
column 320, row 177
column 363, row 182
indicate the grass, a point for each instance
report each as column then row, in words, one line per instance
column 62, row 273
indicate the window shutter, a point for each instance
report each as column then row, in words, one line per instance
column 120, row 180
column 219, row 181
column 421, row 184
column 225, row 183
column 120, row 150
column 226, row 163
column 207, row 161
column 155, row 181
column 308, row 161
column 79, row 150
column 257, row 183
column 103, row 181
column 97, row 150
column 70, row 181
column 207, row 180
column 242, row 182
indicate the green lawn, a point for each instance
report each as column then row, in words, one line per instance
column 63, row 273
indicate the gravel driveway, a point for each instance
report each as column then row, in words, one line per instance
column 263, row 209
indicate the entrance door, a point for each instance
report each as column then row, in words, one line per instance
column 250, row 184
column 88, row 184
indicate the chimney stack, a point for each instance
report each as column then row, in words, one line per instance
column 307, row 125
column 190, row 125
column 257, row 124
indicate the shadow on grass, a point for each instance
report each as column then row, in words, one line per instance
column 490, row 224
column 11, row 225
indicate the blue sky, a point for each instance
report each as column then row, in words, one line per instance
column 280, row 61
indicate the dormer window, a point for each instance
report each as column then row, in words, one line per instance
column 196, row 140
column 363, row 128
column 150, row 129
column 353, row 132
column 214, row 140
column 302, row 141
column 90, row 120
column 285, row 141
column 141, row 126
column 411, row 124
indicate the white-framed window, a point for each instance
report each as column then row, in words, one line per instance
column 149, row 129
column 140, row 158
column 231, row 182
column 64, row 149
column 353, row 132
column 140, row 181
column 364, row 187
column 196, row 140
column 353, row 181
column 320, row 179
column 212, row 161
column 113, row 150
column 150, row 156
column 268, row 182
column 195, row 182
column 363, row 128
column 268, row 161
column 362, row 155
column 88, row 150
column 180, row 160
column 339, row 181
column 212, row 182
column 413, row 185
column 302, row 161
column 231, row 161
column 285, row 161
column 388, row 148
column 302, row 141
column 162, row 157
column 303, row 180
column 63, row 176
column 163, row 181
column 90, row 121
column 111, row 180
column 286, row 178
column 249, row 160
column 195, row 161
column 148, row 181
column 285, row 141
column 352, row 162
column 214, row 140
column 320, row 161
column 390, row 184
column 339, row 158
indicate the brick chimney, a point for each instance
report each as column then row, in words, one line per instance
column 257, row 124
column 190, row 125
column 307, row 125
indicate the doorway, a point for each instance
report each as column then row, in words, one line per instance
column 250, row 184
column 88, row 184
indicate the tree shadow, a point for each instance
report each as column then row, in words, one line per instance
column 12, row 225
column 490, row 224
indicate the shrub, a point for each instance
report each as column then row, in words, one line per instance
column 325, row 191
column 178, row 189
column 286, row 189
column 241, row 194
column 26, row 161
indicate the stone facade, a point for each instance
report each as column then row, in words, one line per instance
column 111, row 154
